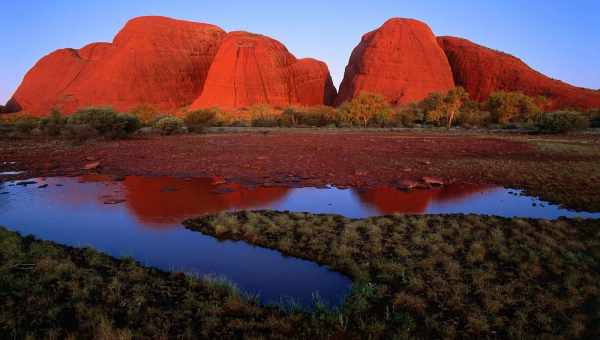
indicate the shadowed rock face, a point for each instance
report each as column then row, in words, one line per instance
column 400, row 60
column 254, row 69
column 152, row 60
column 481, row 71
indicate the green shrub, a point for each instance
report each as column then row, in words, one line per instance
column 106, row 121
column 3, row 109
column 128, row 123
column 408, row 115
column 197, row 121
column 441, row 109
column 594, row 118
column 433, row 109
column 289, row 117
column 473, row 118
column 366, row 109
column 563, row 121
column 318, row 116
column 25, row 123
column 147, row 114
column 512, row 107
column 79, row 133
column 262, row 116
column 471, row 115
column 169, row 125
column 53, row 124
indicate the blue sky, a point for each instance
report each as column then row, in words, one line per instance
column 559, row 38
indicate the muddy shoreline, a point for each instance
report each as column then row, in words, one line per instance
column 343, row 159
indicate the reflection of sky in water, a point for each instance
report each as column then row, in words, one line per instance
column 147, row 226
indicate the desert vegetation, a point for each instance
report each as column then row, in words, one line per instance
column 85, row 124
column 505, row 110
column 456, row 276
column 50, row 291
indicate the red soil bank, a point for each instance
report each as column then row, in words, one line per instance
column 481, row 71
column 400, row 60
column 255, row 69
column 153, row 60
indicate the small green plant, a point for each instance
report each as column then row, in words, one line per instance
column 563, row 121
column 366, row 109
column 147, row 114
column 25, row 123
column 262, row 116
column 197, row 121
column 106, row 121
column 433, row 108
column 594, row 118
column 169, row 125
column 408, row 115
column 79, row 133
column 53, row 124
column 441, row 108
column 512, row 107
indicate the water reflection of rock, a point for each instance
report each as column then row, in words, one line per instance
column 162, row 201
column 389, row 200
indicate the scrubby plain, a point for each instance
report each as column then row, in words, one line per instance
column 443, row 276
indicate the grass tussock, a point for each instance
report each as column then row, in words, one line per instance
column 456, row 276
column 48, row 291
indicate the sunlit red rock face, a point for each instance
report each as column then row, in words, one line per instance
column 254, row 69
column 481, row 71
column 400, row 60
column 152, row 60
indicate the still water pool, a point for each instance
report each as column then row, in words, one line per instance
column 141, row 217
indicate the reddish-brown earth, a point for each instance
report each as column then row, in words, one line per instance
column 481, row 71
column 153, row 60
column 400, row 60
column 254, row 69
column 359, row 159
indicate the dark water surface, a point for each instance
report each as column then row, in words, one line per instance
column 141, row 217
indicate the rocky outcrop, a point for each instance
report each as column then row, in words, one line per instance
column 481, row 71
column 254, row 69
column 153, row 60
column 400, row 60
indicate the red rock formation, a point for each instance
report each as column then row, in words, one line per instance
column 400, row 60
column 390, row 200
column 481, row 71
column 165, row 202
column 153, row 60
column 254, row 69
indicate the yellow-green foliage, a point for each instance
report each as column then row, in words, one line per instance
column 511, row 107
column 563, row 121
column 444, row 276
column 23, row 122
column 197, row 120
column 169, row 125
column 53, row 124
column 106, row 121
column 407, row 115
column 262, row 116
column 147, row 114
column 366, row 109
column 470, row 114
column 440, row 109
column 309, row 116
